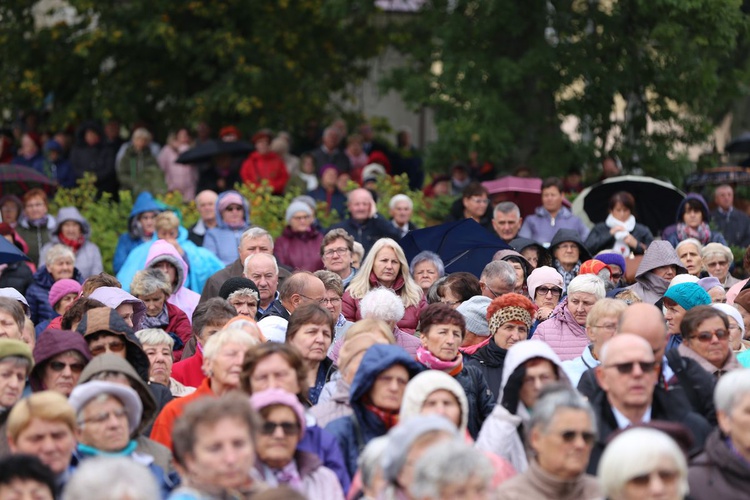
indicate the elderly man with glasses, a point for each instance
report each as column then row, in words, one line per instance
column 300, row 288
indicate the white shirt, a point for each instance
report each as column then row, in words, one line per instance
column 623, row 422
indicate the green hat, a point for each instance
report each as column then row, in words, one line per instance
column 11, row 347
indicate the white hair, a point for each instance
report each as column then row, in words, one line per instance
column 57, row 252
column 636, row 452
column 448, row 463
column 713, row 250
column 154, row 336
column 689, row 241
column 383, row 304
column 399, row 198
column 588, row 283
column 257, row 232
column 502, row 270
column 115, row 478
column 252, row 255
column 731, row 388
column 223, row 337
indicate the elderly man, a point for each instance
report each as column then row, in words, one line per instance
column 733, row 224
column 401, row 208
column 336, row 252
column 108, row 414
column 253, row 241
column 263, row 270
column 329, row 153
column 364, row 223
column 301, row 288
column 497, row 278
column 628, row 375
column 205, row 202
column 507, row 220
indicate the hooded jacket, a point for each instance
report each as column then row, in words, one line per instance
column 650, row 287
column 224, row 241
column 336, row 407
column 49, row 344
column 541, row 227
column 181, row 297
column 718, row 472
column 355, row 431
column 88, row 257
column 350, row 306
column 113, row 297
column 501, row 432
column 670, row 232
column 130, row 240
column 37, row 294
column 562, row 332
column 113, row 363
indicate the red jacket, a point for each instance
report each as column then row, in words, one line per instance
column 189, row 372
column 299, row 250
column 161, row 432
column 269, row 166
column 179, row 324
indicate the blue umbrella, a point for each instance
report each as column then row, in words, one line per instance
column 9, row 253
column 463, row 245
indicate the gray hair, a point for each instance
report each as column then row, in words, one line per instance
column 636, row 452
column 370, row 458
column 506, row 207
column 57, row 252
column 383, row 304
column 154, row 336
column 150, row 281
column 556, row 397
column 500, row 269
column 427, row 256
column 116, row 478
column 689, row 241
column 587, row 283
column 257, row 232
column 142, row 133
column 253, row 255
column 244, row 292
column 359, row 249
column 730, row 389
column 398, row 198
column 224, row 337
column 433, row 296
column 331, row 281
column 448, row 463
column 713, row 250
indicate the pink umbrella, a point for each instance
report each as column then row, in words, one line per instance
column 526, row 192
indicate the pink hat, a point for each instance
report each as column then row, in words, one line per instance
column 540, row 276
column 61, row 288
column 231, row 198
column 271, row 397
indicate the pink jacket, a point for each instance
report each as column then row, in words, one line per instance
column 563, row 334
column 179, row 177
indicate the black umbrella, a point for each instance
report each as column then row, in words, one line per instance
column 9, row 253
column 463, row 246
column 739, row 145
column 17, row 179
column 656, row 201
column 206, row 151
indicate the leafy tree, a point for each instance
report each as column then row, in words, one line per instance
column 502, row 75
column 249, row 62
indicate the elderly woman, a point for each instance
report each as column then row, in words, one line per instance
column 568, row 252
column 215, row 446
column 561, row 434
column 232, row 219
column 693, row 218
column 545, row 286
column 153, row 288
column 36, row 224
column 138, row 170
column 59, row 264
column 534, row 253
column 659, row 265
column 73, row 231
column 705, row 339
column 620, row 232
column 426, row 267
column 223, row 355
column 679, row 299
column 376, row 394
column 281, row 463
column 310, row 330
column 158, row 346
column 299, row 244
column 16, row 362
column 717, row 259
column 131, row 309
column 715, row 290
column 689, row 252
column 11, row 208
column 510, row 317
column 722, row 470
column 60, row 357
column 242, row 294
column 386, row 266
column 457, row 288
column 645, row 463
column 737, row 340
column 441, row 331
column 451, row 470
column 334, row 291
column 565, row 330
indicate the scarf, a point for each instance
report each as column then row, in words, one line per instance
column 431, row 361
column 288, row 475
column 74, row 244
column 161, row 320
column 388, row 417
column 701, row 233
column 567, row 275
column 42, row 222
column 94, row 452
column 620, row 246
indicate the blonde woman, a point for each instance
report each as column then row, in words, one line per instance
column 386, row 266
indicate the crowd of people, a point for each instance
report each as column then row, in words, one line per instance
column 219, row 362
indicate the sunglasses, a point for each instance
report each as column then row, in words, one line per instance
column 233, row 208
column 58, row 366
column 666, row 476
column 543, row 290
column 626, row 368
column 707, row 336
column 570, row 436
column 288, row 428
column 115, row 346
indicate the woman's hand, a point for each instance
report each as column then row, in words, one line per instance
column 616, row 229
column 543, row 313
column 631, row 241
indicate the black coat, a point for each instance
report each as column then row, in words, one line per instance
column 490, row 360
column 370, row 231
column 17, row 275
column 735, row 227
column 480, row 397
column 600, row 239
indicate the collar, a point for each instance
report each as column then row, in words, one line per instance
column 623, row 422
column 275, row 298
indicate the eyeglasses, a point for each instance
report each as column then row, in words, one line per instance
column 114, row 346
column 543, row 291
column 481, row 201
column 233, row 208
column 627, row 368
column 718, row 263
column 570, row 436
column 616, row 276
column 666, row 476
column 339, row 251
column 58, row 366
column 104, row 416
column 288, row 428
column 607, row 328
column 319, row 301
column 493, row 292
column 332, row 301
column 707, row 336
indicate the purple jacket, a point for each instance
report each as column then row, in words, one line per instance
column 562, row 333
column 540, row 227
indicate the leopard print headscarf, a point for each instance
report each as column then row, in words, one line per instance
column 506, row 314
